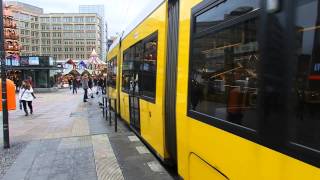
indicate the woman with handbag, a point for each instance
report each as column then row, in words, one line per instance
column 26, row 97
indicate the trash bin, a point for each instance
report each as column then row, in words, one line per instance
column 11, row 95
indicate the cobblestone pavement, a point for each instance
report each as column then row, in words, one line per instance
column 67, row 139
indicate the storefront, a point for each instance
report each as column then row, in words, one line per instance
column 42, row 70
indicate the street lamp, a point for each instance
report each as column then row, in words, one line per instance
column 6, row 141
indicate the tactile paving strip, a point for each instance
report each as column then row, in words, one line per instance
column 107, row 166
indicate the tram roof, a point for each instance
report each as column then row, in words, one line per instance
column 143, row 15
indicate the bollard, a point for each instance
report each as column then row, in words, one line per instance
column 103, row 107
column 105, row 110
column 109, row 110
column 115, row 116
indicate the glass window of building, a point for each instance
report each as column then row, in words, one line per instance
column 223, row 77
column 79, row 19
column 67, row 19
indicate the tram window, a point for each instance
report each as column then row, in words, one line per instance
column 130, row 68
column 132, row 59
column 139, row 67
column 126, row 70
column 305, row 100
column 138, row 57
column 112, row 72
column 223, row 12
column 223, row 70
column 149, row 67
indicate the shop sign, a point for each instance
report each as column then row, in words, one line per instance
column 33, row 60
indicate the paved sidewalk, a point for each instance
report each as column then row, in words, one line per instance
column 67, row 139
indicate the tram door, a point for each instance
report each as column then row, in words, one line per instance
column 134, row 107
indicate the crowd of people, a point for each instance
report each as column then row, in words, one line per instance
column 89, row 84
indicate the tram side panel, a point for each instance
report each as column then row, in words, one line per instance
column 147, row 42
column 124, row 97
column 216, row 130
column 113, row 70
column 124, row 107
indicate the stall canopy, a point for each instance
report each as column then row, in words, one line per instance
column 94, row 59
column 82, row 65
column 70, row 61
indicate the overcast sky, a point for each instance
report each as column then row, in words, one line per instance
column 119, row 13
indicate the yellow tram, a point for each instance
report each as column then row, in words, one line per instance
column 223, row 89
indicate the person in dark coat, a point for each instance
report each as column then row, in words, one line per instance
column 70, row 83
column 90, row 84
column 85, row 86
column 74, row 86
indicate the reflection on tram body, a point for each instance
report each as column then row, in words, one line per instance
column 305, row 100
column 223, row 74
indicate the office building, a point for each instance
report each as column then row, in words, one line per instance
column 59, row 35
column 99, row 10
column 70, row 35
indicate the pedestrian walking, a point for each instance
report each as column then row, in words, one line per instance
column 100, row 85
column 26, row 96
column 30, row 81
column 70, row 83
column 79, row 81
column 90, row 84
column 74, row 86
column 85, row 86
column 95, row 81
column 18, row 84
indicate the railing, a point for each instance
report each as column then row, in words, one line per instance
column 107, row 109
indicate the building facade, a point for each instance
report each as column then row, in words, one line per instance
column 28, row 24
column 99, row 10
column 59, row 35
column 71, row 35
